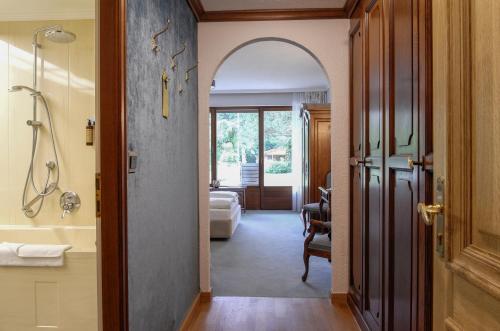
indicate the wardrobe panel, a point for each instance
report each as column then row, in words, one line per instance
column 356, row 233
column 319, row 148
column 374, row 88
column 403, row 247
column 356, row 279
column 372, row 307
column 373, row 237
column 393, row 99
column 403, row 79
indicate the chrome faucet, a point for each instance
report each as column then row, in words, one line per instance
column 69, row 202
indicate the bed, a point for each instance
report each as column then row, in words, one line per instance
column 225, row 213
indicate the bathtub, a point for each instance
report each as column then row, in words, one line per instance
column 62, row 298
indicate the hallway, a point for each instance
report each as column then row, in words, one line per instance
column 277, row 314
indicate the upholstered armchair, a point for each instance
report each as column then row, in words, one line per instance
column 317, row 210
column 318, row 243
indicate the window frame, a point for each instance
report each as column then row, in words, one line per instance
column 240, row 109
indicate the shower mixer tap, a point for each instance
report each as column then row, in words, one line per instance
column 69, row 202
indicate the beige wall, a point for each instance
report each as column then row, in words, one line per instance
column 328, row 41
column 66, row 78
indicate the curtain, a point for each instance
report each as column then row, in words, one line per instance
column 300, row 98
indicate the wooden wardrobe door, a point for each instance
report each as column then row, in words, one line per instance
column 320, row 155
column 372, row 304
column 401, row 191
column 356, row 225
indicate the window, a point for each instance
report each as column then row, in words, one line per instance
column 278, row 148
column 237, row 148
column 235, row 151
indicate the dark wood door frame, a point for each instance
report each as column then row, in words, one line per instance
column 113, row 159
column 425, row 233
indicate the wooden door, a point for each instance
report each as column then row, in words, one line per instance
column 408, row 150
column 319, row 150
column 394, row 160
column 466, row 56
column 373, row 172
column 357, row 171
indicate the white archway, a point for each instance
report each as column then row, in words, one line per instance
column 327, row 41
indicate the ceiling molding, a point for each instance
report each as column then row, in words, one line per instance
column 266, row 14
column 349, row 7
column 272, row 15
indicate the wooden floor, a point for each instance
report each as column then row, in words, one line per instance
column 272, row 314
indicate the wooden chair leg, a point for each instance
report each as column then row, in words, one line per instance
column 306, row 264
column 304, row 219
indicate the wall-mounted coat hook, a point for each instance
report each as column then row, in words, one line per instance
column 186, row 76
column 173, row 64
column 154, row 39
column 180, row 88
column 165, row 96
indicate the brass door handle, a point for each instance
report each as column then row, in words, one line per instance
column 353, row 161
column 413, row 163
column 429, row 211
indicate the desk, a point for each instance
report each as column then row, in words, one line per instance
column 241, row 190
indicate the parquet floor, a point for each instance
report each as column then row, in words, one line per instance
column 272, row 314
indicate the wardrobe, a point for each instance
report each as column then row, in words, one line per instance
column 391, row 164
column 316, row 144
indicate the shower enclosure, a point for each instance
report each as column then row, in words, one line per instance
column 47, row 198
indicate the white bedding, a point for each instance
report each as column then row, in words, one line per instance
column 224, row 222
column 223, row 214
column 224, row 194
column 222, row 203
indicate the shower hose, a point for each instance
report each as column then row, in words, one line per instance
column 47, row 188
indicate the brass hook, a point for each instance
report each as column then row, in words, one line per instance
column 173, row 64
column 186, row 76
column 154, row 39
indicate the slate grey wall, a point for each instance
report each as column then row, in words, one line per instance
column 163, row 193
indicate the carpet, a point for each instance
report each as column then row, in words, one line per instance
column 264, row 259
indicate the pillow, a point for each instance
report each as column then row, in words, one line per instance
column 224, row 194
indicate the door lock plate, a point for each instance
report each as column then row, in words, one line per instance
column 440, row 217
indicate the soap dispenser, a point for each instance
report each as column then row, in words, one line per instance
column 89, row 133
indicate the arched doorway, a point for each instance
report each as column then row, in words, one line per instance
column 256, row 147
column 330, row 48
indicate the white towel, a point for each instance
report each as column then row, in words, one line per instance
column 221, row 203
column 224, row 194
column 38, row 256
column 43, row 251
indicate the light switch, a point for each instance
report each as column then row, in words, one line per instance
column 132, row 162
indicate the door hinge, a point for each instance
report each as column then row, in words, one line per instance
column 98, row 194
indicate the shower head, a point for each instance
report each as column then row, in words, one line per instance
column 58, row 35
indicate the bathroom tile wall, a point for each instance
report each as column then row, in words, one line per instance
column 163, row 192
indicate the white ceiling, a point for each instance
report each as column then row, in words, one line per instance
column 216, row 5
column 31, row 10
column 270, row 66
